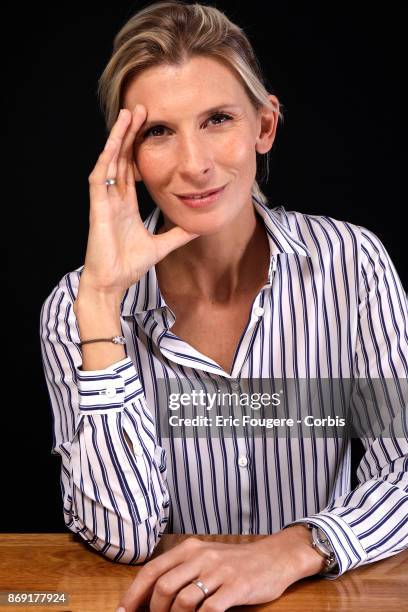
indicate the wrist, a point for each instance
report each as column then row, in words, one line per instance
column 298, row 540
column 98, row 315
column 89, row 291
column 91, row 300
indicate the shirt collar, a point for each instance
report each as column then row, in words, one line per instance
column 145, row 294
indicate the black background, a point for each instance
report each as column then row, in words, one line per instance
column 336, row 68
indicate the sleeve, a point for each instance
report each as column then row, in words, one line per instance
column 371, row 522
column 113, row 473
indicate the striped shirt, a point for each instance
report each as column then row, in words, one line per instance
column 333, row 307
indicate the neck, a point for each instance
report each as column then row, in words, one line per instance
column 236, row 261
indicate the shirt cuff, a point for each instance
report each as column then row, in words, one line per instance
column 108, row 390
column 346, row 545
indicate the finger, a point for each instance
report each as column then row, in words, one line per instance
column 98, row 176
column 138, row 118
column 146, row 578
column 126, row 150
column 225, row 597
column 191, row 596
column 112, row 170
column 130, row 176
column 171, row 240
column 131, row 196
column 176, row 585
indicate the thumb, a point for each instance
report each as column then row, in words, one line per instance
column 171, row 240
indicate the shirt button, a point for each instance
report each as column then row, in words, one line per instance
column 242, row 461
column 110, row 392
column 235, row 384
column 259, row 311
column 245, row 532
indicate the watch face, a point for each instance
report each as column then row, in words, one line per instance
column 323, row 541
column 322, row 536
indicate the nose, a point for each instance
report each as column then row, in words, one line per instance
column 194, row 155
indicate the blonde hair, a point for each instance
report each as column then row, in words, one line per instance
column 171, row 33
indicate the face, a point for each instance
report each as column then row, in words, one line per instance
column 201, row 133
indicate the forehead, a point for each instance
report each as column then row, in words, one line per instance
column 202, row 80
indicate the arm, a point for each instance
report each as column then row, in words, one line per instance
column 370, row 522
column 114, row 493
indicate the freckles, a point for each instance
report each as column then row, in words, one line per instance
column 245, row 151
column 148, row 160
column 238, row 150
column 155, row 168
column 155, row 155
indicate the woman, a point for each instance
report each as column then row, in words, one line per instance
column 212, row 290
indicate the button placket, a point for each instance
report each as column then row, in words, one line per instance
column 245, row 478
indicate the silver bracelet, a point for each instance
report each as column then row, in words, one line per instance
column 115, row 340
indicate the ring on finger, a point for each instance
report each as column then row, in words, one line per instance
column 110, row 181
column 201, row 586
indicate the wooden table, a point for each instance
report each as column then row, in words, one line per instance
column 63, row 562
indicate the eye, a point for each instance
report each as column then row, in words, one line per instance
column 218, row 115
column 150, row 131
column 147, row 133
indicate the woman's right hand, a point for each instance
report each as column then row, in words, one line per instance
column 120, row 249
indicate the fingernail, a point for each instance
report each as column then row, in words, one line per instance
column 121, row 609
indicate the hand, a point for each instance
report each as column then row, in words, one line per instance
column 235, row 574
column 120, row 249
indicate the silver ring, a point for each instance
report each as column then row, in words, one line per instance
column 201, row 586
column 110, row 181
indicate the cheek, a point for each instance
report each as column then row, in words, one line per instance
column 233, row 149
column 236, row 150
column 152, row 163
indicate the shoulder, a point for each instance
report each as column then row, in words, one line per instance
column 335, row 242
column 326, row 232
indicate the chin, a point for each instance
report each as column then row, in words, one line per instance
column 205, row 226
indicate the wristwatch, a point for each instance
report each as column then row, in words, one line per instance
column 321, row 544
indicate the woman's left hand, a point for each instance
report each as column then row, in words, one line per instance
column 235, row 574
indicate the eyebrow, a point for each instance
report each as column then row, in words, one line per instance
column 209, row 111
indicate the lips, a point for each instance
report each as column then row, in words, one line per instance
column 207, row 198
column 202, row 194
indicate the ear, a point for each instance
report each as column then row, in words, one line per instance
column 267, row 125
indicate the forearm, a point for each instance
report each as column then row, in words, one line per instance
column 98, row 316
column 113, row 476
